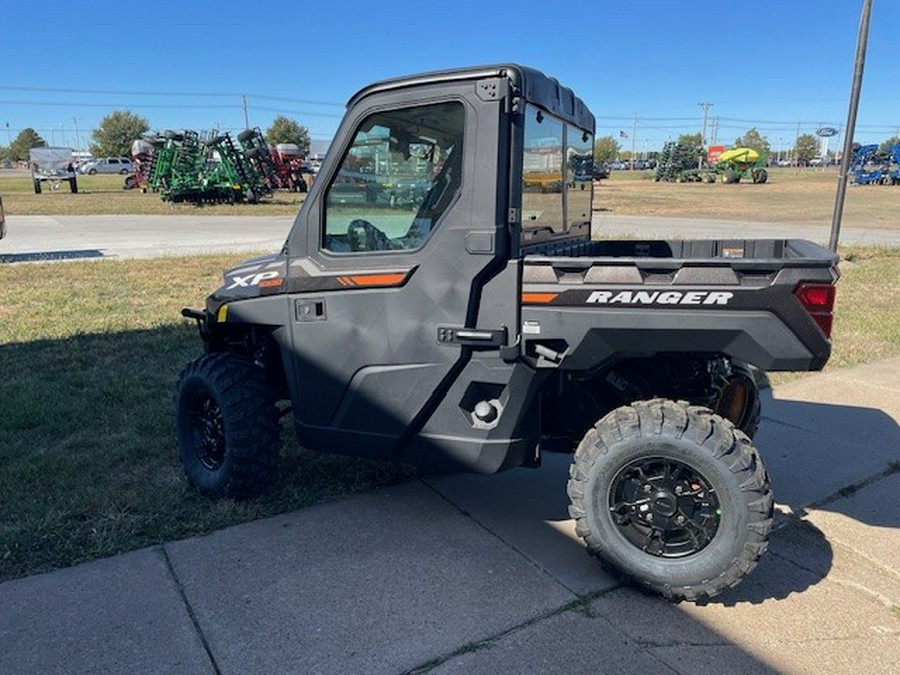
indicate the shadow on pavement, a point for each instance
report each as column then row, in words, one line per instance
column 817, row 453
column 49, row 256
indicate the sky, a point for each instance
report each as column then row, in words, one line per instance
column 642, row 66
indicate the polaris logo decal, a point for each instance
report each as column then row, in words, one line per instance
column 659, row 297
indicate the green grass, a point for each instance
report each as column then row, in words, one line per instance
column 867, row 312
column 90, row 353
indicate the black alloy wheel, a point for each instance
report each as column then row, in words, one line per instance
column 664, row 507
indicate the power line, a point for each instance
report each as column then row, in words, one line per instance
column 119, row 92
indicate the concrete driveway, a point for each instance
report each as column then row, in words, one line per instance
column 483, row 574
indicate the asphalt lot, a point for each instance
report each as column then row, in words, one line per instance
column 33, row 238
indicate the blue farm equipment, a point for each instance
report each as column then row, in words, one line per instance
column 893, row 172
column 866, row 167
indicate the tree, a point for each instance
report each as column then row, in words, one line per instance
column 116, row 133
column 286, row 130
column 606, row 149
column 691, row 140
column 754, row 139
column 25, row 141
column 807, row 147
column 894, row 140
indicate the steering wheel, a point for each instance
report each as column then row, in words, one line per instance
column 364, row 236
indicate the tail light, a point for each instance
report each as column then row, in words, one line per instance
column 818, row 300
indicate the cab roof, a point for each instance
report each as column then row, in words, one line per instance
column 537, row 88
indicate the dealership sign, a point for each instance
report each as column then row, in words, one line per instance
column 826, row 132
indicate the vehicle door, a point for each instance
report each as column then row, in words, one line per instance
column 402, row 231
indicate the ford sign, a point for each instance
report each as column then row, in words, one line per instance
column 825, row 132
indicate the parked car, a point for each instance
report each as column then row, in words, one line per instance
column 2, row 220
column 600, row 170
column 120, row 165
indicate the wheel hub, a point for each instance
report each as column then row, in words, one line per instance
column 208, row 433
column 665, row 504
column 664, row 507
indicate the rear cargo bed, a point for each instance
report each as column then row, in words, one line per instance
column 735, row 253
column 741, row 298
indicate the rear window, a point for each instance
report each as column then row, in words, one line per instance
column 557, row 185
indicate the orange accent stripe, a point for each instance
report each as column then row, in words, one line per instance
column 378, row 279
column 268, row 283
column 538, row 298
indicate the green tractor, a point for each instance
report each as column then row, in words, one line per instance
column 738, row 163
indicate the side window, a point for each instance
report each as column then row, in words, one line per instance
column 542, row 173
column 579, row 176
column 398, row 177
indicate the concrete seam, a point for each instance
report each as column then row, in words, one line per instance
column 853, row 488
column 499, row 538
column 787, row 424
column 489, row 642
column 872, row 561
column 190, row 610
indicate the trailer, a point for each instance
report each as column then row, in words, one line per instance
column 54, row 166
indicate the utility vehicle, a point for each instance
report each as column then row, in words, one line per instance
column 476, row 324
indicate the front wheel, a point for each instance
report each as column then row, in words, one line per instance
column 672, row 496
column 227, row 426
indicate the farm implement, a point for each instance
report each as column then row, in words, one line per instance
column 871, row 167
column 213, row 168
column 738, row 163
column 679, row 164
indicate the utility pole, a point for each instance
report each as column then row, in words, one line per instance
column 77, row 141
column 861, row 42
column 706, row 107
column 8, row 137
column 797, row 146
column 633, row 134
column 244, row 105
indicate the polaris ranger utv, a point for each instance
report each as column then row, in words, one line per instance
column 440, row 301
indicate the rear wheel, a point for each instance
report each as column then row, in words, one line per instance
column 227, row 426
column 672, row 496
column 739, row 401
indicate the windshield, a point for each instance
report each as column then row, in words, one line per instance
column 397, row 178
